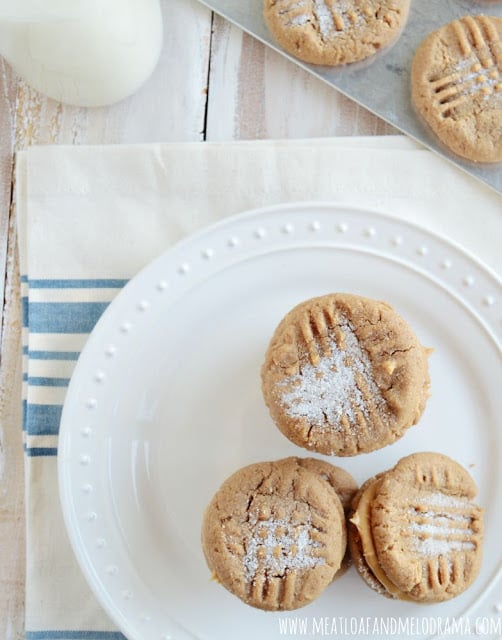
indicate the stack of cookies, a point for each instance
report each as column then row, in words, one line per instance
column 344, row 375
column 275, row 533
column 414, row 532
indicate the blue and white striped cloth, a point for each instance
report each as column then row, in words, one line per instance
column 58, row 315
column 90, row 218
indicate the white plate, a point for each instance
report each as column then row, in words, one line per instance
column 165, row 403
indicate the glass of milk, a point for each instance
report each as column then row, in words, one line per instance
column 84, row 52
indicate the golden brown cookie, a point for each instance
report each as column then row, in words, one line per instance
column 344, row 375
column 335, row 32
column 456, row 86
column 415, row 533
column 274, row 534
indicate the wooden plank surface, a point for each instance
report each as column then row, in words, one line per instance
column 11, row 463
column 256, row 93
column 7, row 127
column 213, row 82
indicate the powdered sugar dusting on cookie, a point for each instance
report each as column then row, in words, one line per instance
column 292, row 6
column 279, row 546
column 324, row 17
column 326, row 392
column 439, row 525
column 439, row 499
column 474, row 78
column 298, row 21
column 331, row 19
column 436, row 547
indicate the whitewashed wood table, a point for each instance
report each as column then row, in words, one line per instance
column 212, row 83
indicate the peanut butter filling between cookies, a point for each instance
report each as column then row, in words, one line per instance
column 362, row 521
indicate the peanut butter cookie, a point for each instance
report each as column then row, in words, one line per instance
column 456, row 86
column 415, row 533
column 274, row 534
column 335, row 32
column 344, row 375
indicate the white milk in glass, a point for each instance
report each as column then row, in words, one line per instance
column 83, row 52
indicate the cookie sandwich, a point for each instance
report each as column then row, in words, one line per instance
column 415, row 533
column 274, row 533
column 344, row 374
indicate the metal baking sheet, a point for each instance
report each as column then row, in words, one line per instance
column 382, row 84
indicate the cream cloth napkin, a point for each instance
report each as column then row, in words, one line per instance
column 91, row 217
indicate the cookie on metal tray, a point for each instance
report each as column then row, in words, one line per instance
column 274, row 534
column 344, row 375
column 456, row 86
column 415, row 533
column 335, row 32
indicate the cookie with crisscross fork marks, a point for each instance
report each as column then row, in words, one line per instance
column 344, row 375
column 335, row 32
column 457, row 86
column 274, row 534
column 415, row 533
